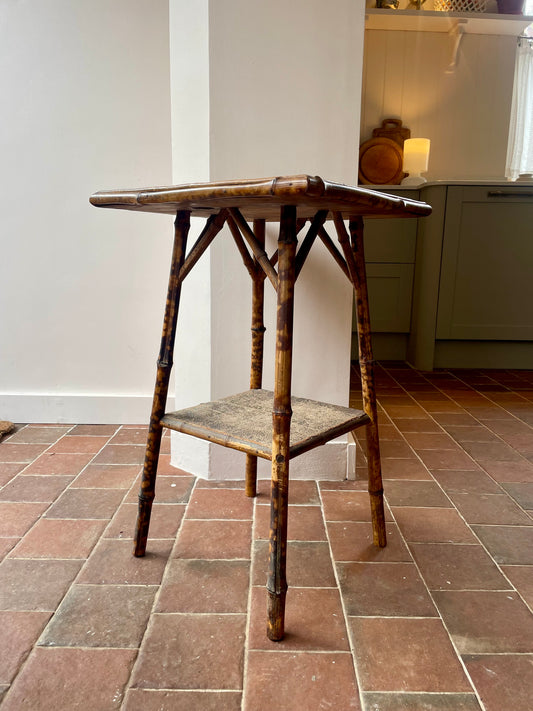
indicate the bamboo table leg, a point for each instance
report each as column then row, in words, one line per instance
column 366, row 365
column 354, row 254
column 281, row 423
column 258, row 331
column 164, row 366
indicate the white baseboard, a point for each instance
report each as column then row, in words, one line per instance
column 77, row 409
column 333, row 461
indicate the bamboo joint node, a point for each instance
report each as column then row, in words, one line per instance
column 165, row 364
column 282, row 412
column 281, row 589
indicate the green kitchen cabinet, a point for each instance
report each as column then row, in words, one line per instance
column 486, row 278
column 455, row 289
column 390, row 249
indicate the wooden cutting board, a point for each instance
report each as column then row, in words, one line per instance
column 393, row 129
column 380, row 162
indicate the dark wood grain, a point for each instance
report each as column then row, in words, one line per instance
column 262, row 198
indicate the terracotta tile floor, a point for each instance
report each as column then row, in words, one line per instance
column 440, row 620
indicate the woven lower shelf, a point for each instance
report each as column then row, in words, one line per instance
column 244, row 422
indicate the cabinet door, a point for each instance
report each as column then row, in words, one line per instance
column 389, row 297
column 486, row 287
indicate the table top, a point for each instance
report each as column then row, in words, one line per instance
column 262, row 198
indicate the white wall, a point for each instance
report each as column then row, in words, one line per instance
column 464, row 112
column 284, row 97
column 190, row 98
column 86, row 106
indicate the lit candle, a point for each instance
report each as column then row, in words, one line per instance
column 415, row 160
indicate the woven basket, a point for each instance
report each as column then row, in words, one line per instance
column 461, row 5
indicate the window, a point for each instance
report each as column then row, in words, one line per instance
column 520, row 145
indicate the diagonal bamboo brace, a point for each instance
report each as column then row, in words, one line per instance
column 214, row 224
column 248, row 262
column 312, row 232
column 332, row 249
column 255, row 245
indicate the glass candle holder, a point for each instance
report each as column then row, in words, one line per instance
column 415, row 160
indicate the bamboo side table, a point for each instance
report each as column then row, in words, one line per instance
column 271, row 425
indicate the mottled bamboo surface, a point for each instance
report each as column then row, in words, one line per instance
column 261, row 198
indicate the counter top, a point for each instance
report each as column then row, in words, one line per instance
column 431, row 183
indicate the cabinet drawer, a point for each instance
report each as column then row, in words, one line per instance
column 392, row 241
column 500, row 194
column 389, row 294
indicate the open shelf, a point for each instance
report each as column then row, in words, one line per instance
column 244, row 422
column 480, row 23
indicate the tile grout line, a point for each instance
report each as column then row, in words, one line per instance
column 441, row 618
column 349, row 636
column 459, row 656
column 96, row 543
column 36, row 643
column 246, row 657
column 43, row 516
column 453, row 505
column 469, row 526
column 27, row 464
column 152, row 614
column 86, row 560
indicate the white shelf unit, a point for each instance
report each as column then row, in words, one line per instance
column 479, row 23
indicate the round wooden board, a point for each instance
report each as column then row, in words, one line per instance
column 380, row 162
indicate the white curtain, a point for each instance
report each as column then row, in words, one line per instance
column 520, row 146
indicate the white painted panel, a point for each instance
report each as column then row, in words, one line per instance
column 285, row 87
column 393, row 87
column 284, row 97
column 189, row 73
column 375, row 66
column 464, row 111
column 332, row 461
